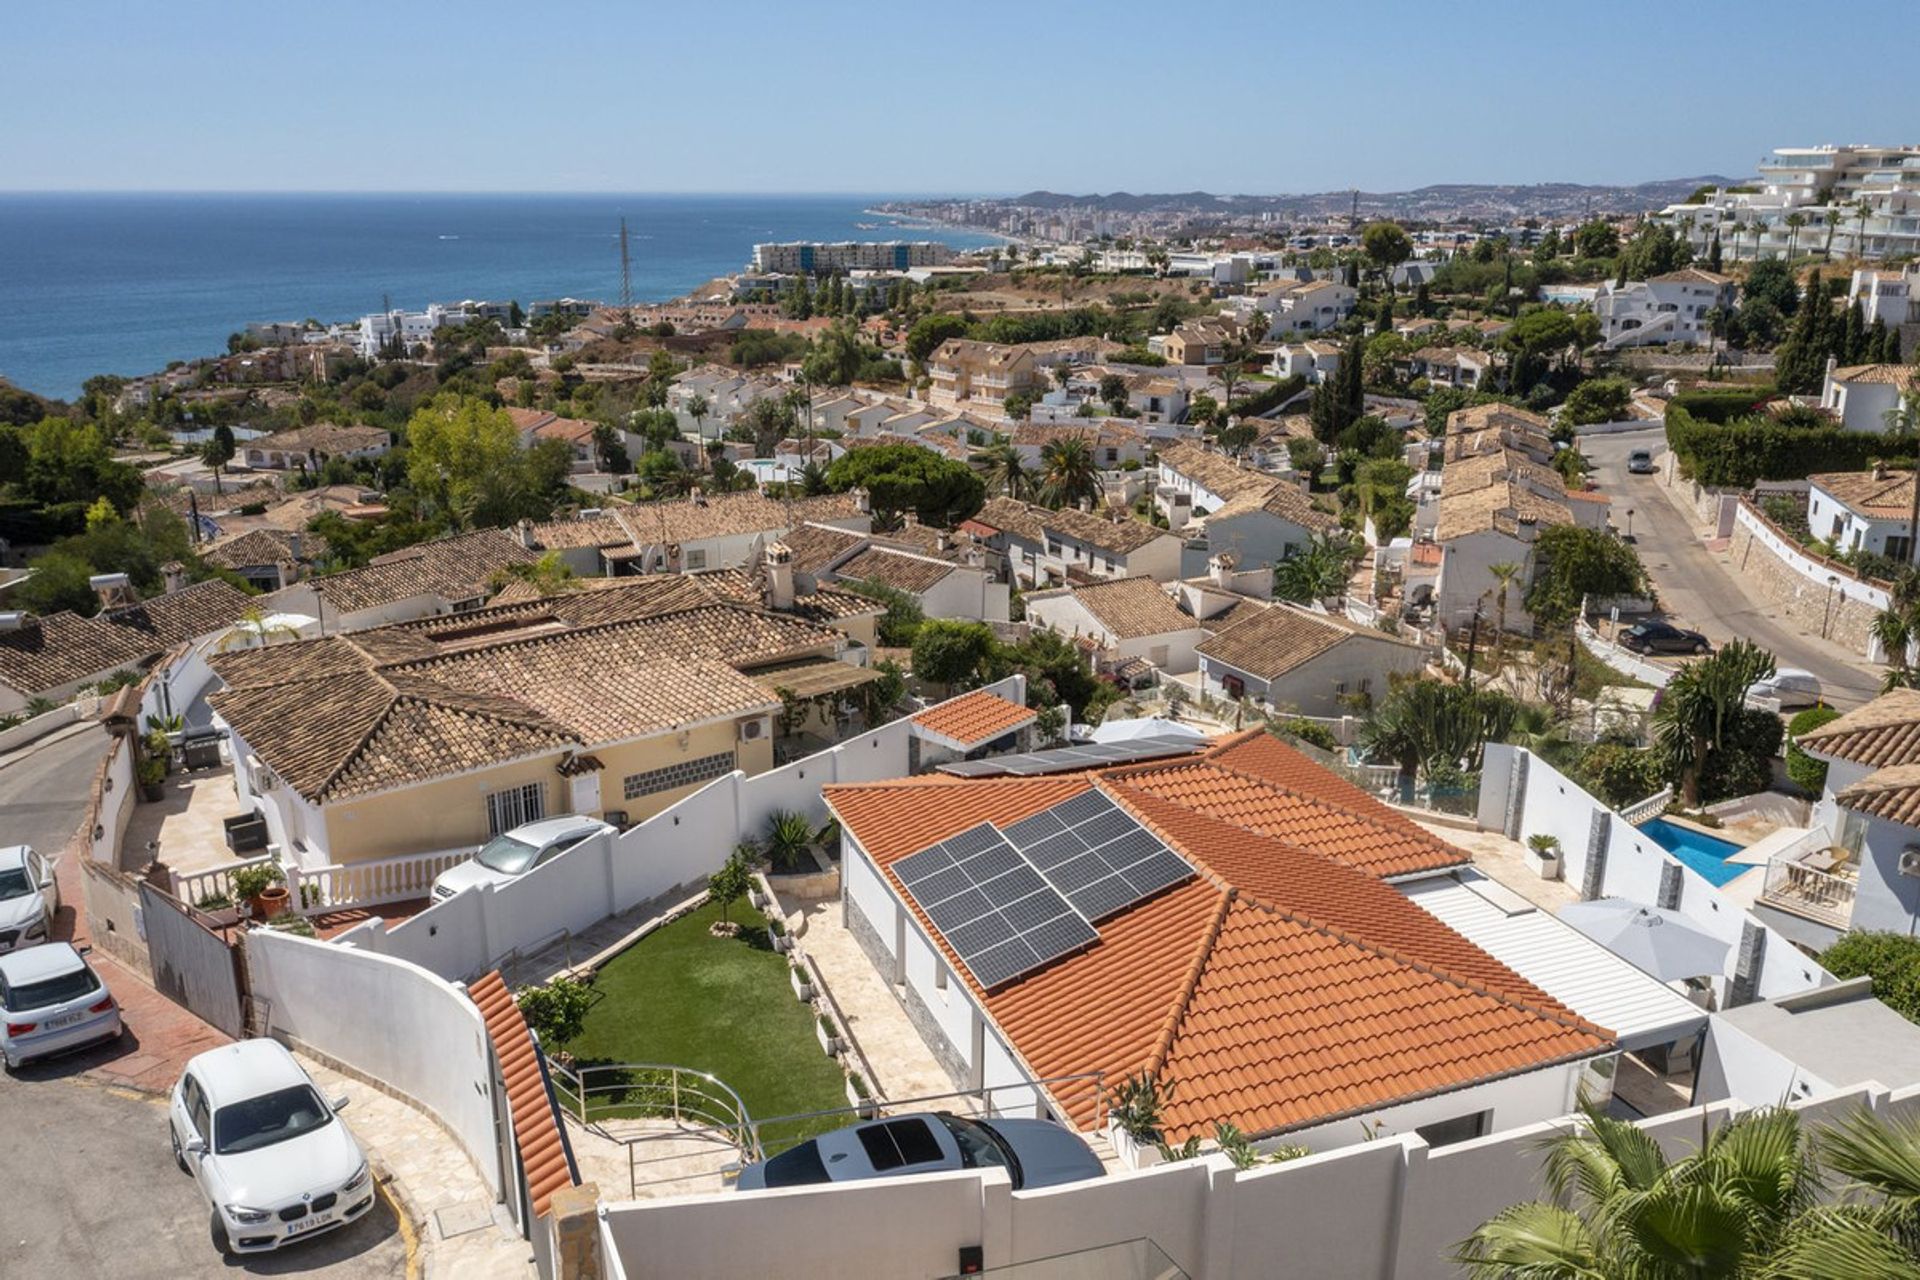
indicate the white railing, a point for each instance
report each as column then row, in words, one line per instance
column 1795, row 886
column 1652, row 807
column 332, row 888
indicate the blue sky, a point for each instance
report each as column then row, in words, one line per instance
column 982, row 96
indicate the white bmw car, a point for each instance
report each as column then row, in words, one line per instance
column 270, row 1154
column 29, row 898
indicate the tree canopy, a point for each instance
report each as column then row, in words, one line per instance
column 905, row 477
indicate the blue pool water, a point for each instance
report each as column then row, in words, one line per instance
column 1705, row 854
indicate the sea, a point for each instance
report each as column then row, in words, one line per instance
column 125, row 283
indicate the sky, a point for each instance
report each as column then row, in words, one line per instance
column 980, row 97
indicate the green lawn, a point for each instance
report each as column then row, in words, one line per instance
column 682, row 997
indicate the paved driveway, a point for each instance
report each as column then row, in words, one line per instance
column 44, row 786
column 92, row 1191
column 1698, row 587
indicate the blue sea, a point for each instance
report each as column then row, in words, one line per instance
column 104, row 283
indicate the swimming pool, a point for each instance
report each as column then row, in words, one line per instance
column 1704, row 853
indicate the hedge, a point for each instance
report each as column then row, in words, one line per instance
column 1737, row 454
column 1723, row 404
column 1271, row 396
column 1806, row 770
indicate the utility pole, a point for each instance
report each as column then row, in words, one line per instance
column 626, row 273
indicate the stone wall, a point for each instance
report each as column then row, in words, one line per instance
column 951, row 1059
column 1843, row 614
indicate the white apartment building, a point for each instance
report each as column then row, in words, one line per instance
column 1856, row 201
column 1297, row 306
column 813, row 257
column 415, row 328
column 1669, row 308
column 1886, row 296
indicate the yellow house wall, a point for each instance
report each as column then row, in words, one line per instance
column 453, row 811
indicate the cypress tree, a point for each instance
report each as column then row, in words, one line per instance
column 1421, row 301
column 1713, row 253
column 1801, row 360
column 1385, row 323
column 1852, row 345
column 1877, row 343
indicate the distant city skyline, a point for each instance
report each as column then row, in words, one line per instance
column 857, row 98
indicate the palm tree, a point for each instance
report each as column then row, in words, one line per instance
column 1504, row 576
column 1068, row 473
column 697, row 409
column 1004, row 468
column 1697, row 706
column 1861, row 209
column 1318, row 573
column 1795, row 221
column 255, row 625
column 1746, row 1202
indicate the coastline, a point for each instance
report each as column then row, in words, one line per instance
column 936, row 224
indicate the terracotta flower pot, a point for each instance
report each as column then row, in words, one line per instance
column 271, row 901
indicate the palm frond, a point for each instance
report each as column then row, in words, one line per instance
column 1532, row 1241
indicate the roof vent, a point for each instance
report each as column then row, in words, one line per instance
column 12, row 621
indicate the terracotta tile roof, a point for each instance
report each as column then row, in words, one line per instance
column 1892, row 375
column 266, row 547
column 1478, row 471
column 183, row 615
column 901, row 571
column 60, row 648
column 1479, row 417
column 322, row 438
column 1122, row 536
column 1130, row 608
column 592, row 531
column 1271, row 642
column 1889, row 493
column 722, row 515
column 1010, row 515
column 1892, row 793
column 1694, row 275
column 823, row 605
column 1215, row 472
column 1279, row 988
column 1500, row 506
column 455, row 568
column 1883, row 733
column 1281, row 498
column 536, row 1129
column 815, row 546
column 974, row 718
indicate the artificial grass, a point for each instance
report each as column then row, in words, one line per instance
column 682, row 997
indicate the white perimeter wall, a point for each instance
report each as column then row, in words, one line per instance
column 389, row 1020
column 1554, row 805
column 1392, row 1209
column 678, row 847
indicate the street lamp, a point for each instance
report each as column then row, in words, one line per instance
column 1833, row 580
column 1629, row 524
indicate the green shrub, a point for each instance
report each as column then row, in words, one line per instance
column 1892, row 960
column 557, row 1012
column 1805, row 770
column 1307, row 731
column 1619, row 774
column 1738, row 453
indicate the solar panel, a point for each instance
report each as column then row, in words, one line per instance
column 1101, row 860
column 998, row 913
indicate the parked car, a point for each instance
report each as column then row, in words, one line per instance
column 1788, row 687
column 269, row 1153
column 53, row 1002
column 514, row 853
column 1640, row 462
column 1035, row 1153
column 1663, row 637
column 29, row 897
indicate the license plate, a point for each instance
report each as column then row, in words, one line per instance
column 309, row 1223
column 64, row 1020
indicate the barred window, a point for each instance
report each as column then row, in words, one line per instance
column 684, row 774
column 514, row 807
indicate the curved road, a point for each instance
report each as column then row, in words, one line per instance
column 1700, row 588
column 44, row 786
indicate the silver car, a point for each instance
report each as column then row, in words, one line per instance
column 52, row 1002
column 1035, row 1153
column 512, row 854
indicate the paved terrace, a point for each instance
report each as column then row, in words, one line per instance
column 184, row 828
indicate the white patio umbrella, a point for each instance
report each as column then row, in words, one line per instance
column 1146, row 727
column 1661, row 942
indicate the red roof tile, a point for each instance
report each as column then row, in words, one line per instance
column 974, row 718
column 535, row 1129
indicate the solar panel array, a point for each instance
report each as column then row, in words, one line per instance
column 997, row 912
column 1084, row 755
column 1095, row 854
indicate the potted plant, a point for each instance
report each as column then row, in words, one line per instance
column 802, row 987
column 263, row 887
column 823, row 1032
column 556, row 1013
column 1546, row 855
column 859, row 1097
column 1133, row 1119
column 151, row 773
column 777, row 931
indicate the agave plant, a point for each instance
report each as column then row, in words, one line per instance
column 789, row 843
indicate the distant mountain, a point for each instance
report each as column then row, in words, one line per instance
column 1437, row 202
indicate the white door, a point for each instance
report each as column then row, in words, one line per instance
column 586, row 791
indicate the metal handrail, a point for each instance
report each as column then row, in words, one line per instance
column 706, row 1098
column 515, row 954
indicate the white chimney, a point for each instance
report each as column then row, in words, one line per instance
column 1220, row 569
column 862, row 500
column 524, row 530
column 173, row 575
column 779, row 564
column 294, row 547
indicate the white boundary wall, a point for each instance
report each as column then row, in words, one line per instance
column 388, row 1020
column 1555, row 805
column 1848, row 586
column 37, row 727
column 1392, row 1209
column 676, row 848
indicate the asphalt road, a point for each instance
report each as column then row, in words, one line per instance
column 1697, row 588
column 43, row 787
column 91, row 1190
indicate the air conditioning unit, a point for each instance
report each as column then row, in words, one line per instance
column 752, row 730
column 1910, row 861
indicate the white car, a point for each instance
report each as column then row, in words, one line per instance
column 29, row 897
column 53, row 1002
column 270, row 1154
column 1788, row 687
column 514, row 853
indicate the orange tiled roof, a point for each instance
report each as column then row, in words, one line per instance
column 974, row 718
column 542, row 1153
column 1283, row 986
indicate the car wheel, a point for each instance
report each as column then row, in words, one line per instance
column 1700, row 647
column 218, row 1230
column 179, row 1156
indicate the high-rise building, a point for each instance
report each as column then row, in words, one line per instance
column 812, row 257
column 1855, row 201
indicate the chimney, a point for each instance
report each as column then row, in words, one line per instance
column 524, row 531
column 862, row 500
column 173, row 575
column 1220, row 569
column 697, row 498
column 943, row 541
column 1879, row 469
column 294, row 547
column 779, row 564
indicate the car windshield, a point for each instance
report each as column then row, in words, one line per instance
column 51, row 991
column 267, row 1119
column 14, row 883
column 980, row 1147
column 507, row 856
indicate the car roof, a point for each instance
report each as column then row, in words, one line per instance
column 245, row 1070
column 37, row 964
column 548, row 828
column 13, row 855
